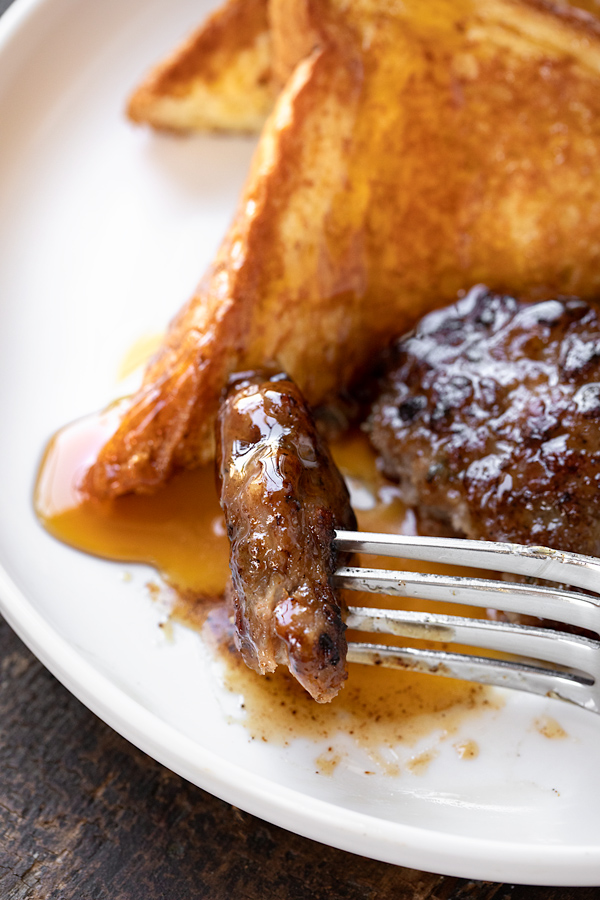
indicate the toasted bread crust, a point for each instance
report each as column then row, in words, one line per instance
column 419, row 150
column 220, row 78
column 226, row 75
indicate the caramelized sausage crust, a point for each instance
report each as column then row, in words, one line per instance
column 489, row 418
column 283, row 497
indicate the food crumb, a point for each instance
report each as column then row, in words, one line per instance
column 153, row 589
column 420, row 763
column 467, row 749
column 550, row 728
column 166, row 626
column 328, row 761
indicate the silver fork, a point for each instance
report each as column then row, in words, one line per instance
column 574, row 671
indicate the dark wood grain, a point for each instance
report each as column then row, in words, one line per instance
column 86, row 816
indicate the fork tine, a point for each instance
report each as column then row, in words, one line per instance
column 578, row 683
column 581, row 610
column 562, row 649
column 517, row 559
column 568, row 686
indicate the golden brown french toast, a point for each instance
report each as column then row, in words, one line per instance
column 420, row 149
column 592, row 6
column 226, row 75
column 219, row 79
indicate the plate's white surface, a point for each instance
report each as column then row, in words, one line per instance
column 104, row 231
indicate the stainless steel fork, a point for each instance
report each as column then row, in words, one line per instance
column 574, row 671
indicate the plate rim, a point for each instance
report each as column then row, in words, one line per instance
column 311, row 817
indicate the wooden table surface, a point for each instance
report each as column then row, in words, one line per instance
column 84, row 815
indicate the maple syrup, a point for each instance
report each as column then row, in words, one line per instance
column 180, row 531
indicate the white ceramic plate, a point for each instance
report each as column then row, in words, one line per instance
column 104, row 231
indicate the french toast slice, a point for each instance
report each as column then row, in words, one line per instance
column 226, row 75
column 418, row 150
column 219, row 79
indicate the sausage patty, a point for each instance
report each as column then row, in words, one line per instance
column 489, row 419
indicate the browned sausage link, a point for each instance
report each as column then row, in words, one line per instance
column 282, row 496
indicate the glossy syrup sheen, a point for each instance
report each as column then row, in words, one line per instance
column 180, row 531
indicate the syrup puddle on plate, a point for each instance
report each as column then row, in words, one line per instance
column 180, row 531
